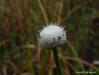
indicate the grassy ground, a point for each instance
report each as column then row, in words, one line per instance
column 20, row 20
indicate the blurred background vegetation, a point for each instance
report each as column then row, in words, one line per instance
column 20, row 20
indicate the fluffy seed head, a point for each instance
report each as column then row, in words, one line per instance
column 52, row 36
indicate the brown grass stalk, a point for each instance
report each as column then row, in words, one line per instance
column 17, row 14
column 60, row 11
column 80, row 60
column 43, row 11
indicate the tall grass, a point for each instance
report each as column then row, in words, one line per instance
column 20, row 52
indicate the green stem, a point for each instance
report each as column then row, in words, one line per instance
column 55, row 53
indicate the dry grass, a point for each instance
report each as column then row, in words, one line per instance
column 21, row 53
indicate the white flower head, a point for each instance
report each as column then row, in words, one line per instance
column 52, row 36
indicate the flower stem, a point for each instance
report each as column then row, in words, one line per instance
column 55, row 53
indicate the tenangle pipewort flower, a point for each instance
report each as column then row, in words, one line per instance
column 52, row 36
